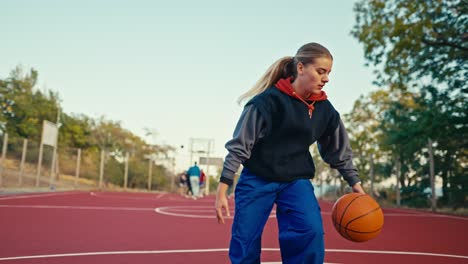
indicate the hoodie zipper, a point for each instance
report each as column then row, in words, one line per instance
column 309, row 106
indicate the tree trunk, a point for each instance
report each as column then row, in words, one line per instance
column 371, row 174
column 432, row 175
column 446, row 172
column 398, row 172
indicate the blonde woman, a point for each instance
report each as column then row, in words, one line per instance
column 287, row 112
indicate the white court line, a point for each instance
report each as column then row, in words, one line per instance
column 180, row 211
column 395, row 253
column 427, row 215
column 417, row 215
column 174, row 211
column 384, row 252
column 180, row 198
column 36, row 195
column 77, row 207
column 161, row 211
column 223, row 250
column 193, row 211
column 185, row 211
column 159, row 196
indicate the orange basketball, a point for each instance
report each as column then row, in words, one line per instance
column 357, row 217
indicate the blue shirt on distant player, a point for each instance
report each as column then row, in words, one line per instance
column 194, row 171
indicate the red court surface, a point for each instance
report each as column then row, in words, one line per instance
column 104, row 227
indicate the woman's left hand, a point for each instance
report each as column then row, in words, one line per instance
column 357, row 188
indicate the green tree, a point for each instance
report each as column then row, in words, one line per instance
column 419, row 50
column 75, row 131
column 373, row 156
column 414, row 40
column 24, row 107
column 447, row 124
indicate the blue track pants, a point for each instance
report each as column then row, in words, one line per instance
column 298, row 216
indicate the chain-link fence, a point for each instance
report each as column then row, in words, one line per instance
column 23, row 168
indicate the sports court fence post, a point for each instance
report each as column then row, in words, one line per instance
column 150, row 170
column 77, row 172
column 23, row 158
column 39, row 162
column 53, row 168
column 173, row 174
column 2, row 162
column 126, row 171
column 101, row 169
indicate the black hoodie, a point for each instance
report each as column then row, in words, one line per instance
column 273, row 136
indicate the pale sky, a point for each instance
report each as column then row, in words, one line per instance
column 176, row 67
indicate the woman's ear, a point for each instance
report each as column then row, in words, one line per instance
column 300, row 68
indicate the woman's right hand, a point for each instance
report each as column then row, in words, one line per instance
column 221, row 202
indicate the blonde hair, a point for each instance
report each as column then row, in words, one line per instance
column 286, row 67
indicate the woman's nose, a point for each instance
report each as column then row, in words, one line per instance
column 325, row 78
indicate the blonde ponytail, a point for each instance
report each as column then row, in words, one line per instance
column 286, row 67
column 280, row 69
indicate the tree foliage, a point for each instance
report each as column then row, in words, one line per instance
column 24, row 107
column 418, row 50
column 414, row 40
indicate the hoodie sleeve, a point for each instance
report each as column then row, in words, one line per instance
column 336, row 151
column 250, row 128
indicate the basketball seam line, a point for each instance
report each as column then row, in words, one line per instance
column 356, row 231
column 371, row 211
column 361, row 232
column 346, row 227
column 344, row 212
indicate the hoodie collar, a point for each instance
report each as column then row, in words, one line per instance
column 285, row 86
